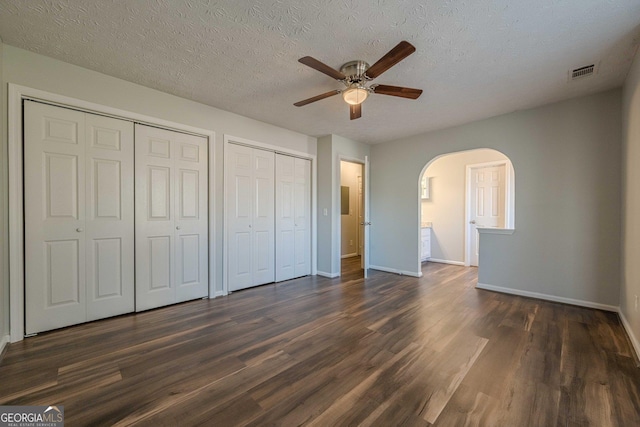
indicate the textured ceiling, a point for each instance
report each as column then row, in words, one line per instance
column 474, row 58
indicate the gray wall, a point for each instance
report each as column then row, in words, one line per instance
column 630, row 287
column 331, row 149
column 325, row 196
column 40, row 72
column 566, row 157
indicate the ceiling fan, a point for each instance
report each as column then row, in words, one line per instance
column 355, row 74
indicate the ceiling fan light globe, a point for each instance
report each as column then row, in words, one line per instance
column 355, row 95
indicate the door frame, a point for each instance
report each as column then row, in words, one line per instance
column 361, row 198
column 230, row 139
column 16, row 95
column 336, row 217
column 508, row 201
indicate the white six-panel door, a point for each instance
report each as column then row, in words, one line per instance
column 488, row 203
column 249, row 200
column 285, row 218
column 109, row 227
column 78, row 175
column 171, row 217
column 302, row 209
column 239, row 213
column 191, row 212
column 263, row 217
column 293, row 217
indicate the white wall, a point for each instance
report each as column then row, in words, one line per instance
column 566, row 157
column 630, row 287
column 349, row 173
column 445, row 207
column 331, row 149
column 36, row 71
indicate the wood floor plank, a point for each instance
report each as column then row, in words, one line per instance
column 216, row 393
column 625, row 388
column 469, row 408
column 497, row 363
column 383, row 351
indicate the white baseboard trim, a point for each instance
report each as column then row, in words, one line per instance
column 3, row 342
column 219, row 294
column 548, row 297
column 396, row 271
column 627, row 327
column 349, row 255
column 445, row 261
column 329, row 275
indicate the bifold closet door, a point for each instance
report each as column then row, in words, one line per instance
column 171, row 217
column 78, row 199
column 249, row 191
column 293, row 217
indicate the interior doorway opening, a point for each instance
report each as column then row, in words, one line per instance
column 352, row 218
column 460, row 193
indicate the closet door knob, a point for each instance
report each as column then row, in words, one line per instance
column 79, row 229
column 178, row 227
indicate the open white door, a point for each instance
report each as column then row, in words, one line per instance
column 367, row 219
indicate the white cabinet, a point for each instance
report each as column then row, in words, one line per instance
column 425, row 238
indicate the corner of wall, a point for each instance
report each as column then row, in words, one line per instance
column 324, row 198
column 4, row 203
column 630, row 241
column 635, row 344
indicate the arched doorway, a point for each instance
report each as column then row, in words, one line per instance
column 460, row 193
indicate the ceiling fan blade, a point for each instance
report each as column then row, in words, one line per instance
column 395, row 55
column 402, row 92
column 355, row 111
column 323, row 68
column 316, row 98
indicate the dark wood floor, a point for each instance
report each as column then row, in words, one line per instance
column 391, row 350
column 351, row 268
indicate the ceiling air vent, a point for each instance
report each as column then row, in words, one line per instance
column 582, row 72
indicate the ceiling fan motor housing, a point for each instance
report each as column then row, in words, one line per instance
column 354, row 70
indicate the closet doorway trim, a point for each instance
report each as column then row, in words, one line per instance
column 16, row 95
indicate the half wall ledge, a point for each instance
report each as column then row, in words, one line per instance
column 483, row 230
